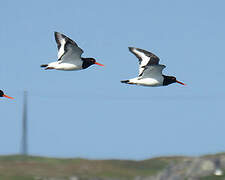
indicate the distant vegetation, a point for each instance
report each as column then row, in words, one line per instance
column 18, row 167
column 27, row 167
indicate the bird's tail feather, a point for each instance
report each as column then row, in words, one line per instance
column 125, row 81
column 44, row 65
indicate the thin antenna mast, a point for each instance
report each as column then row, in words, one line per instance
column 24, row 148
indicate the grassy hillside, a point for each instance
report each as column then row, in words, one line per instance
column 23, row 168
column 18, row 167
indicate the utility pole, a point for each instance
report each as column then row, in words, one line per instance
column 24, row 147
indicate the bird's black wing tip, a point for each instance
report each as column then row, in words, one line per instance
column 131, row 48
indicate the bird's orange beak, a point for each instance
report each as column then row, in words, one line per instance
column 99, row 64
column 7, row 96
column 181, row 83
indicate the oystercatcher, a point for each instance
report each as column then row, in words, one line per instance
column 69, row 56
column 3, row 95
column 150, row 71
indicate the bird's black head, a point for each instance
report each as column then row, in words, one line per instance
column 92, row 60
column 1, row 93
column 88, row 62
column 170, row 79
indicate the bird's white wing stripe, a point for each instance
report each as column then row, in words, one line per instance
column 62, row 48
column 142, row 55
column 143, row 62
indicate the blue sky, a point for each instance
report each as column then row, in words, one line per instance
column 89, row 113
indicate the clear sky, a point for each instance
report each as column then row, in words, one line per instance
column 89, row 113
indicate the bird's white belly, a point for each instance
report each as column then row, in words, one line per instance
column 148, row 81
column 66, row 66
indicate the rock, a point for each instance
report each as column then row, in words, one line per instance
column 74, row 178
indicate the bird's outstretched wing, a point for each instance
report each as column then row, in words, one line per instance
column 67, row 48
column 145, row 58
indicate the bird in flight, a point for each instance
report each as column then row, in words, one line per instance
column 69, row 56
column 3, row 95
column 150, row 71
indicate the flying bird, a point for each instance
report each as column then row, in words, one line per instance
column 150, row 71
column 69, row 56
column 3, row 95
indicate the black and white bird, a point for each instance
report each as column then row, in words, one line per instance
column 3, row 95
column 150, row 71
column 69, row 56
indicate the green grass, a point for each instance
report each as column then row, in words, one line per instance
column 18, row 167
column 3, row 177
